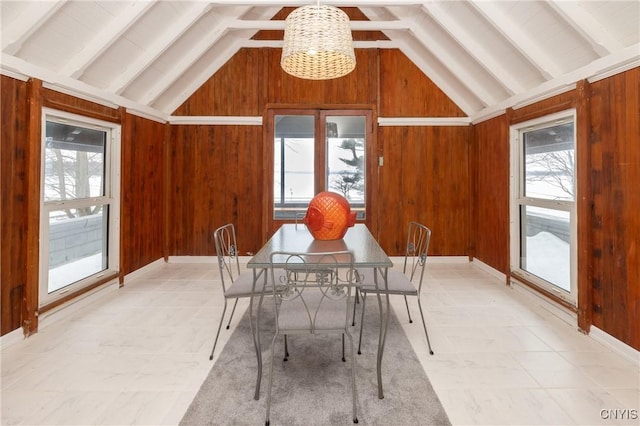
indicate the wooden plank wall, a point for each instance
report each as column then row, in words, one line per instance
column 375, row 71
column 425, row 178
column 615, row 231
column 204, row 160
column 611, row 287
column 215, row 177
column 491, row 193
column 13, row 203
column 141, row 193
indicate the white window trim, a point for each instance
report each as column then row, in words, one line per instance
column 516, row 200
column 111, row 198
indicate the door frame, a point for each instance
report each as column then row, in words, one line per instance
column 270, row 225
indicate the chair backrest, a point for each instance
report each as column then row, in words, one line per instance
column 418, row 237
column 314, row 292
column 227, row 252
column 299, row 217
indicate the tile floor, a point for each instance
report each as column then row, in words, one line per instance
column 137, row 355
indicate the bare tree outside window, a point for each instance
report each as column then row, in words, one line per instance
column 70, row 175
column 554, row 169
column 353, row 178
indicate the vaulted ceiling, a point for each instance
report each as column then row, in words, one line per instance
column 150, row 56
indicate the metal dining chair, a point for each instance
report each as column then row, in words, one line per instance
column 234, row 283
column 407, row 282
column 312, row 297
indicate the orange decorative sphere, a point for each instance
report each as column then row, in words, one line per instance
column 328, row 216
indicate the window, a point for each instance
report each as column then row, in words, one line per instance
column 318, row 151
column 80, row 206
column 543, row 209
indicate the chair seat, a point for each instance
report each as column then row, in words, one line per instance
column 242, row 285
column 397, row 283
column 293, row 317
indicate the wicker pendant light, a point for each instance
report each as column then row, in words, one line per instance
column 317, row 43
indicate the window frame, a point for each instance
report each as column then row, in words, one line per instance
column 110, row 198
column 319, row 114
column 518, row 199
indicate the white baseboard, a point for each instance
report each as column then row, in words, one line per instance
column 566, row 315
column 245, row 259
column 490, row 270
column 615, row 345
column 63, row 311
column 146, row 268
column 550, row 306
column 194, row 259
column 446, row 259
column 10, row 338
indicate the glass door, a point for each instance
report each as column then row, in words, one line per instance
column 314, row 151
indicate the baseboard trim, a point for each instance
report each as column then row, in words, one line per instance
column 146, row 268
column 615, row 345
column 63, row 311
column 11, row 337
column 550, row 306
column 194, row 259
column 566, row 315
column 446, row 259
column 489, row 269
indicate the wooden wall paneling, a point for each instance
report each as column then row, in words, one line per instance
column 491, row 218
column 33, row 166
column 142, row 192
column 208, row 164
column 13, row 203
column 354, row 88
column 405, row 91
column 425, row 178
column 615, row 137
column 216, row 173
column 630, row 168
column 181, row 201
column 473, row 191
column 392, row 143
column 560, row 102
column 234, row 90
column 71, row 104
column 166, row 192
column 125, row 196
column 583, row 205
column 447, row 179
column 249, row 189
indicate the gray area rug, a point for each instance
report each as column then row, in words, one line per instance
column 313, row 386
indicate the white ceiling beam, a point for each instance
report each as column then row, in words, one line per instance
column 78, row 88
column 186, row 61
column 587, row 26
column 30, row 20
column 159, row 46
column 433, row 72
column 478, row 51
column 451, row 61
column 357, row 44
column 438, row 78
column 195, row 83
column 93, row 48
column 619, row 61
column 340, row 3
column 519, row 39
column 241, row 24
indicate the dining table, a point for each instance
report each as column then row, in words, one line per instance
column 367, row 254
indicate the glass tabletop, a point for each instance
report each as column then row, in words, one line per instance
column 296, row 238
